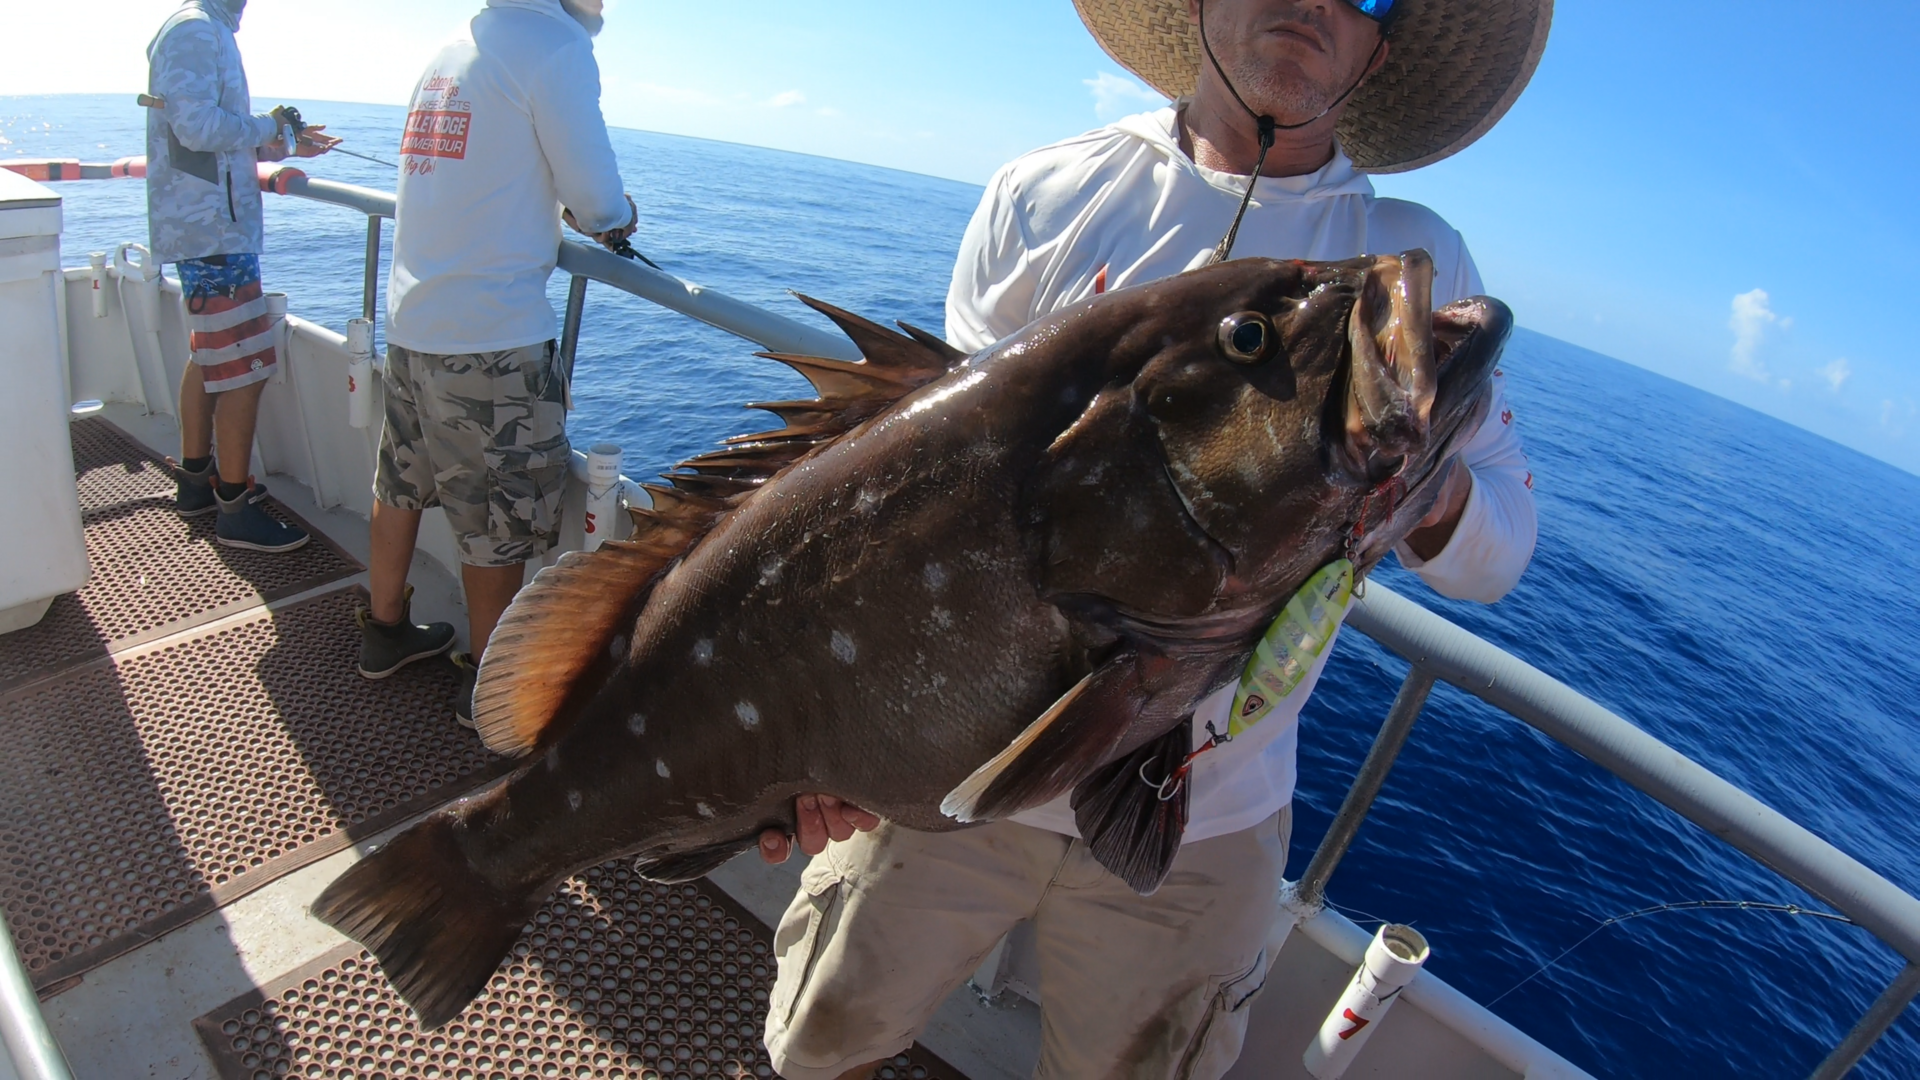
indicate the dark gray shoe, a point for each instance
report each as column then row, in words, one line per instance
column 193, row 491
column 463, row 692
column 242, row 524
column 387, row 647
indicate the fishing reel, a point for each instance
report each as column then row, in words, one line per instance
column 290, row 116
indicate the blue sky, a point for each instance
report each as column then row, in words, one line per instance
column 1723, row 193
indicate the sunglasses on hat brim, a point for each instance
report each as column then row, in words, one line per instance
column 1377, row 10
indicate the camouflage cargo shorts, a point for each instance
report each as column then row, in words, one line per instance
column 483, row 436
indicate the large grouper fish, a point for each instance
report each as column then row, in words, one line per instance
column 949, row 589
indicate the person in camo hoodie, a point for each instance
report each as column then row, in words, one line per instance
column 204, row 214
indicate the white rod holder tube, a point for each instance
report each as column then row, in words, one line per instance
column 360, row 373
column 1393, row 958
column 603, row 494
column 139, row 278
column 97, row 272
column 277, row 312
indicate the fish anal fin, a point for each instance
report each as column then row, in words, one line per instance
column 1132, row 827
column 691, row 865
column 1071, row 739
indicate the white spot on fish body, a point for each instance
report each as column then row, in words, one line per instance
column 705, row 810
column 843, row 647
column 935, row 576
column 703, row 652
column 749, row 716
column 574, row 800
column 770, row 570
column 553, row 759
column 637, row 723
column 941, row 618
column 660, row 766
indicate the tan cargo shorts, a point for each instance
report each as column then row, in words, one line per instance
column 887, row 924
column 484, row 437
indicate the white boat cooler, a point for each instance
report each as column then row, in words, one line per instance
column 43, row 552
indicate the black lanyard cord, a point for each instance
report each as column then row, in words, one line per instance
column 1267, row 126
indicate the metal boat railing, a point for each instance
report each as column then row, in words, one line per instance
column 1437, row 649
column 31, row 1051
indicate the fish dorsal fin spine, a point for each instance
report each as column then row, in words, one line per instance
column 559, row 640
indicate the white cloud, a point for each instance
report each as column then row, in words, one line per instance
column 786, row 98
column 1752, row 314
column 1115, row 97
column 1837, row 373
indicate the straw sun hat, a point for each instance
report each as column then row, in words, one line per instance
column 1454, row 69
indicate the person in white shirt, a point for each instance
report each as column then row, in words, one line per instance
column 504, row 139
column 1281, row 107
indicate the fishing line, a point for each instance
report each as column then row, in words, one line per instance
column 363, row 157
column 1685, row 905
column 1267, row 126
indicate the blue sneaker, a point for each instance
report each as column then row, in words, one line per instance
column 242, row 524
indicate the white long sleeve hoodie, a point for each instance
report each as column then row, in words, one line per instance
column 504, row 131
column 1123, row 205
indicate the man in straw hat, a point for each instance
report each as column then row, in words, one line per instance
column 1281, row 108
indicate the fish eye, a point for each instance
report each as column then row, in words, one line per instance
column 1246, row 338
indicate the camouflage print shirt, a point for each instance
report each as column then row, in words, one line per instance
column 203, row 196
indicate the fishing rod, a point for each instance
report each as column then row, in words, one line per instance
column 299, row 126
column 294, row 122
column 622, row 247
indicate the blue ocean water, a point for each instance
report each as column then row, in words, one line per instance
column 1742, row 589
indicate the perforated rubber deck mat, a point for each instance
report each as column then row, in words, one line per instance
column 154, row 572
column 615, row 977
column 140, row 791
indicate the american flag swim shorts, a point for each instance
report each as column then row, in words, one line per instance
column 228, row 329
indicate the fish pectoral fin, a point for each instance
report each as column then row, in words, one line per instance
column 1070, row 740
column 691, row 865
column 1133, row 824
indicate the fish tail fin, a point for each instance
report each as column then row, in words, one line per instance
column 1132, row 827
column 438, row 928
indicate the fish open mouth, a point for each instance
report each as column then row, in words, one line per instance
column 1468, row 336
